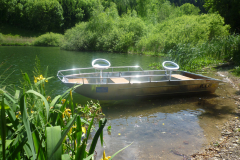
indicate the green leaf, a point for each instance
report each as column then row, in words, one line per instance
column 54, row 101
column 89, row 157
column 26, row 78
column 43, row 98
column 38, row 145
column 79, row 131
column 53, row 137
column 119, row 151
column 63, row 135
column 95, row 139
column 81, row 151
column 6, row 107
column 66, row 157
column 101, row 134
column 27, row 124
column 14, row 102
column 17, row 94
column 90, row 126
column 3, row 129
column 18, row 149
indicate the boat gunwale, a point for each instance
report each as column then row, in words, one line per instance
column 132, row 76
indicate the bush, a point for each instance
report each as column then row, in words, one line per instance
column 49, row 39
column 191, row 29
column 106, row 31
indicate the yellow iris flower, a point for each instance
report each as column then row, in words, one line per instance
column 84, row 130
column 35, row 79
column 63, row 101
column 67, row 113
column 104, row 156
column 19, row 113
column 48, row 98
column 71, row 128
column 39, row 79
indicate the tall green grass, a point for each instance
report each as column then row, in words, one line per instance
column 8, row 40
column 212, row 52
column 36, row 126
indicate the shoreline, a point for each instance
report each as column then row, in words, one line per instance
column 228, row 145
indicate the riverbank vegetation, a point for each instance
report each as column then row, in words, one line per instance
column 35, row 125
column 175, row 29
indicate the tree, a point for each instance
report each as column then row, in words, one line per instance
column 229, row 9
column 75, row 11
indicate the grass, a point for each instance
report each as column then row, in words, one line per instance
column 13, row 36
column 9, row 40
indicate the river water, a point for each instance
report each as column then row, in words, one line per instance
column 160, row 128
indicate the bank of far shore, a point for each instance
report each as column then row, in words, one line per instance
column 228, row 145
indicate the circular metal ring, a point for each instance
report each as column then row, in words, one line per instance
column 174, row 67
column 104, row 64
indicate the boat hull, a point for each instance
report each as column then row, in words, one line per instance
column 138, row 90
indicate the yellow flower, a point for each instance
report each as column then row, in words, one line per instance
column 104, row 156
column 32, row 111
column 39, row 79
column 48, row 98
column 84, row 130
column 19, row 113
column 67, row 112
column 71, row 128
column 63, row 101
column 35, row 79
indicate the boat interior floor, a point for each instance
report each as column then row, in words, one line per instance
column 120, row 80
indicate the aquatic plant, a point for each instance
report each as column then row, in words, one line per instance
column 36, row 126
column 50, row 127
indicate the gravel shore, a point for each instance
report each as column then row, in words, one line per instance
column 228, row 146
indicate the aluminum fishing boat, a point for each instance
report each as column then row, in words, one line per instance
column 103, row 82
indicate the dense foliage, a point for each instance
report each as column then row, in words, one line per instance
column 157, row 32
column 227, row 9
column 182, row 30
column 58, row 15
column 36, row 126
column 154, row 27
column 105, row 31
column 45, row 15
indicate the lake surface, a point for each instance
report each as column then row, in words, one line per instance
column 161, row 128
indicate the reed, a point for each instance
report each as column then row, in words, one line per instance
column 36, row 126
column 212, row 52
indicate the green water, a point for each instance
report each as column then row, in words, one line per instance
column 23, row 59
column 157, row 127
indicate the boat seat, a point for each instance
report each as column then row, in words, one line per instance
column 79, row 80
column 119, row 80
column 178, row 76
